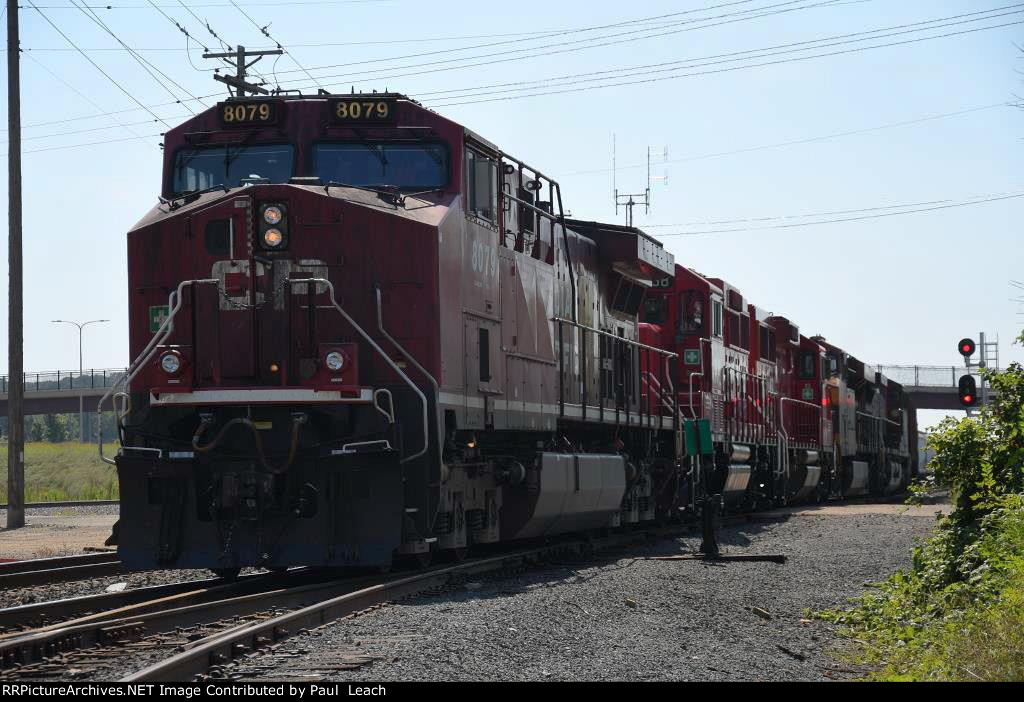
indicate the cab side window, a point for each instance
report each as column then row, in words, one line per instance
column 716, row 318
column 481, row 185
column 808, row 364
column 692, row 312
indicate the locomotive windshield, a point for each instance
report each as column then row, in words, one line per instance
column 382, row 163
column 198, row 169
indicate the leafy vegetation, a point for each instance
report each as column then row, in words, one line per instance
column 958, row 613
column 56, row 428
column 62, row 471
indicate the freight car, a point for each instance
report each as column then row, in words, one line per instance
column 362, row 331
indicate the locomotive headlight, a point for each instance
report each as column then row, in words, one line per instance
column 272, row 238
column 171, row 363
column 335, row 361
column 272, row 215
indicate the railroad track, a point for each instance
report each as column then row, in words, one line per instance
column 208, row 656
column 68, row 503
column 159, row 610
column 44, row 571
column 39, row 614
column 210, row 623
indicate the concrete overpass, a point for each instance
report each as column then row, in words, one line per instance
column 60, row 392
column 930, row 387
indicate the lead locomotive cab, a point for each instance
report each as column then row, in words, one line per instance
column 353, row 324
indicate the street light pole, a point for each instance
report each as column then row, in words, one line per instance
column 81, row 371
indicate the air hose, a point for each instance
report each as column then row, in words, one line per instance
column 297, row 421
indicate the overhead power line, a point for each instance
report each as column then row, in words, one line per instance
column 204, row 5
column 680, row 64
column 264, row 30
column 674, row 76
column 90, row 143
column 79, row 93
column 796, row 142
column 39, row 124
column 571, row 46
column 858, row 218
column 97, row 66
column 661, row 20
column 146, row 65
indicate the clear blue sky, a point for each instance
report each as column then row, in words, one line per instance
column 900, row 289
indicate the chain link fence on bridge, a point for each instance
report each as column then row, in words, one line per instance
column 925, row 376
column 67, row 380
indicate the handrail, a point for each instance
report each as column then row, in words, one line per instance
column 878, row 419
column 369, row 340
column 782, row 413
column 174, row 301
column 628, row 342
column 663, row 395
column 416, row 364
column 692, row 410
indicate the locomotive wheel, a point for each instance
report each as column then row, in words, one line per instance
column 228, row 574
column 416, row 561
column 454, row 555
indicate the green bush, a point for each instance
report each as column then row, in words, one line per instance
column 958, row 613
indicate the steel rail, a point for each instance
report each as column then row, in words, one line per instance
column 28, row 615
column 68, row 503
column 220, row 648
column 32, row 565
column 58, row 570
column 202, row 606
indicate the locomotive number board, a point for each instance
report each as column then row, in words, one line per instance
column 362, row 110
column 244, row 114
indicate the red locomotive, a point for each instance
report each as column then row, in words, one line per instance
column 362, row 331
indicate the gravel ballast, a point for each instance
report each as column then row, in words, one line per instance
column 621, row 617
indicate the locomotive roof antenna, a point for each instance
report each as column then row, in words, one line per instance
column 238, row 59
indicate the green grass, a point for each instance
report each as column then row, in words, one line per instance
column 59, row 472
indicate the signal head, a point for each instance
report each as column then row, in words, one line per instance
column 968, row 391
column 966, row 347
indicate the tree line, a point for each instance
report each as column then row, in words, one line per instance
column 58, row 428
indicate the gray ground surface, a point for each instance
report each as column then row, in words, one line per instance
column 621, row 617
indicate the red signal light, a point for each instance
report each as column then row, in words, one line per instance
column 968, row 391
column 967, row 347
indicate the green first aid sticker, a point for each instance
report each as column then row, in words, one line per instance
column 808, row 392
column 157, row 315
column 691, row 357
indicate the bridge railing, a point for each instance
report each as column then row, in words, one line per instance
column 67, row 379
column 924, row 376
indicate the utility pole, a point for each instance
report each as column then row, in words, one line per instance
column 16, row 370
column 238, row 81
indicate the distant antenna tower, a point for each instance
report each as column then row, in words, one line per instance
column 1020, row 286
column 630, row 200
